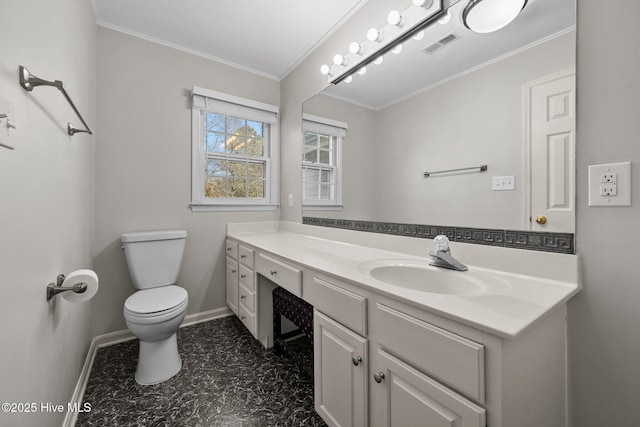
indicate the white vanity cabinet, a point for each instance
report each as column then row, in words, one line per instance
column 381, row 360
column 241, row 284
column 341, row 356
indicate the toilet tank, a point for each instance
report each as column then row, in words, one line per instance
column 154, row 257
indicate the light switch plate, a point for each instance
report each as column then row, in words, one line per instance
column 610, row 184
column 503, row 183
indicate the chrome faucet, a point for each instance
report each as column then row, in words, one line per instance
column 441, row 255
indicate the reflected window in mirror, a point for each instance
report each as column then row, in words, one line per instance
column 322, row 162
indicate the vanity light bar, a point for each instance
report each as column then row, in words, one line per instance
column 401, row 27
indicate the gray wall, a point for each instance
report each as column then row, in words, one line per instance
column 143, row 165
column 46, row 203
column 604, row 319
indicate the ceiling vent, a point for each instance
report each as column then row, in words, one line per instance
column 433, row 47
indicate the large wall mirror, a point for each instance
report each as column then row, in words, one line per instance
column 453, row 99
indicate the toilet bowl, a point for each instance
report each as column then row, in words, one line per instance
column 154, row 313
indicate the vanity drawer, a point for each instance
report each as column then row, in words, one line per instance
column 450, row 358
column 247, row 278
column 280, row 273
column 247, row 319
column 344, row 306
column 231, row 249
column 247, row 299
column 246, row 256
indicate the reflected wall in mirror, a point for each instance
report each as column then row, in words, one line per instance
column 469, row 103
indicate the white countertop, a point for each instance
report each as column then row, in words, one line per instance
column 505, row 313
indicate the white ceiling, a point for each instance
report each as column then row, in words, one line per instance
column 265, row 37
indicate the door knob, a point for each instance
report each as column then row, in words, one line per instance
column 541, row 219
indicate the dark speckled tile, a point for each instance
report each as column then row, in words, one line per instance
column 227, row 380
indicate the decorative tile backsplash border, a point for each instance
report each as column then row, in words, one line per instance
column 519, row 239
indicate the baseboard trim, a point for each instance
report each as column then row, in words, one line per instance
column 112, row 338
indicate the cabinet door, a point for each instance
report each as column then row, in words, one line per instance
column 340, row 373
column 232, row 285
column 403, row 396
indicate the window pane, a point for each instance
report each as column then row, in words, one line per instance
column 215, row 187
column 216, row 167
column 255, row 171
column 255, row 128
column 325, row 176
column 324, row 157
column 236, row 144
column 237, row 187
column 310, row 191
column 310, row 155
column 310, row 139
column 236, row 126
column 215, row 142
column 256, row 188
column 310, row 175
column 255, row 146
column 324, row 141
column 325, row 193
column 238, row 168
column 214, row 122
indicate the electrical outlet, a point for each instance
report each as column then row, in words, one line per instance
column 609, row 177
column 610, row 184
column 608, row 190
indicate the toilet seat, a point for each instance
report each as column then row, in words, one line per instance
column 155, row 305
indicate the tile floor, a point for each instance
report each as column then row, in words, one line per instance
column 228, row 379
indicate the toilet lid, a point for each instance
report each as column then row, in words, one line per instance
column 155, row 300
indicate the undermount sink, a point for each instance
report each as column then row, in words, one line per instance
column 418, row 275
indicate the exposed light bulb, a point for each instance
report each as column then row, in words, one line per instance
column 340, row 60
column 348, row 79
column 325, row 69
column 423, row 3
column 397, row 49
column 374, row 35
column 445, row 18
column 418, row 36
column 355, row 48
column 362, row 71
column 395, row 18
column 378, row 60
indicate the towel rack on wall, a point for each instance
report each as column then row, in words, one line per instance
column 480, row 168
column 28, row 81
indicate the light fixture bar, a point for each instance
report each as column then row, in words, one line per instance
column 415, row 19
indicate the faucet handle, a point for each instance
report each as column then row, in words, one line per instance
column 441, row 243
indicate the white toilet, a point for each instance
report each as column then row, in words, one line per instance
column 156, row 310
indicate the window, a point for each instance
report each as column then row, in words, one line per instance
column 235, row 145
column 321, row 162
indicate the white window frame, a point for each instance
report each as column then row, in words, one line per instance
column 205, row 100
column 313, row 123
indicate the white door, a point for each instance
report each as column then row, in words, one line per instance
column 551, row 139
column 403, row 396
column 340, row 373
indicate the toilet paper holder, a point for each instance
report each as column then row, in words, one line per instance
column 54, row 289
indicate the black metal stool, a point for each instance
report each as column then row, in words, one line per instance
column 300, row 313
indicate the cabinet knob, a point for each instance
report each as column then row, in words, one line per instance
column 228, row 249
column 243, row 256
column 378, row 377
column 273, row 272
column 243, row 318
column 233, row 271
column 243, row 297
column 356, row 360
column 243, row 276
